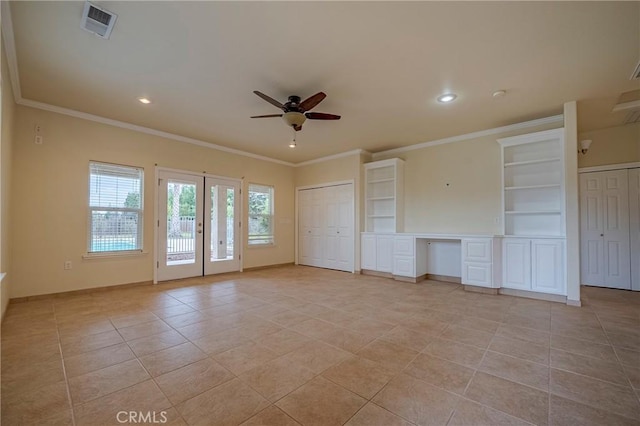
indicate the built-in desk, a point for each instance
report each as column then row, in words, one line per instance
column 469, row 259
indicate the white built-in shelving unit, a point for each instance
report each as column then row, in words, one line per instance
column 533, row 183
column 384, row 196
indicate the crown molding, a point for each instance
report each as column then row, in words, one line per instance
column 10, row 49
column 555, row 119
column 147, row 130
column 332, row 157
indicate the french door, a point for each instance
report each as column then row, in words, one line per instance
column 198, row 225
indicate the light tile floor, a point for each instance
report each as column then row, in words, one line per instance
column 298, row 345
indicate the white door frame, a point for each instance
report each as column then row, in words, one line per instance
column 156, row 213
column 356, row 232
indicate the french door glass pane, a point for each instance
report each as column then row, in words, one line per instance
column 222, row 220
column 181, row 223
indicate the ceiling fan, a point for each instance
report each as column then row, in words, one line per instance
column 295, row 112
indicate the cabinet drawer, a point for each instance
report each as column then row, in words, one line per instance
column 404, row 266
column 404, row 246
column 477, row 274
column 476, row 250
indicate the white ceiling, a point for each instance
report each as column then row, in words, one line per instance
column 381, row 64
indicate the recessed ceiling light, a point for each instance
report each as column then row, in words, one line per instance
column 447, row 97
column 499, row 93
column 144, row 100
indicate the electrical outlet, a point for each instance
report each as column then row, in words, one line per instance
column 496, row 220
column 67, row 265
column 37, row 128
column 38, row 140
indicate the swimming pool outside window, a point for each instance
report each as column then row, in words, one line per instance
column 115, row 208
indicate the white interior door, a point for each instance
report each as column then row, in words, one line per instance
column 591, row 229
column 339, row 238
column 604, row 204
column 634, row 226
column 180, row 226
column 310, row 227
column 222, row 215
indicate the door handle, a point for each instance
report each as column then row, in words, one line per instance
column 602, row 235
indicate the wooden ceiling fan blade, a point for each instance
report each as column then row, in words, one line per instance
column 266, row 116
column 312, row 101
column 321, row 116
column 269, row 99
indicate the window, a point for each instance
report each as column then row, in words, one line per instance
column 115, row 208
column 260, row 214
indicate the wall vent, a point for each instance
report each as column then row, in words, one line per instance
column 636, row 73
column 97, row 20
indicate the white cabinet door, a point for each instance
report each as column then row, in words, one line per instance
column 368, row 250
column 384, row 253
column 547, row 266
column 404, row 246
column 516, row 265
column 476, row 250
column 477, row 273
column 404, row 266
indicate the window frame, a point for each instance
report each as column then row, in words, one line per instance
column 139, row 211
column 265, row 241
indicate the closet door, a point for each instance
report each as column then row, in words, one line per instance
column 339, row 235
column 617, row 267
column 591, row 229
column 310, row 227
column 604, row 225
column 326, row 227
column 634, row 226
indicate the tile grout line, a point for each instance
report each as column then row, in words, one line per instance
column 64, row 368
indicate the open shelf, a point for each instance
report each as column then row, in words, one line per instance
column 384, row 195
column 538, row 161
column 381, row 198
column 533, row 212
column 381, row 180
column 513, row 188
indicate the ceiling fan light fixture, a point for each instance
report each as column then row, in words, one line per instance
column 447, row 97
column 294, row 119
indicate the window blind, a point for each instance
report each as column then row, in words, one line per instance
column 115, row 207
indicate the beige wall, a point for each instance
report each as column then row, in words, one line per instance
column 611, row 146
column 49, row 203
column 455, row 187
column 7, row 113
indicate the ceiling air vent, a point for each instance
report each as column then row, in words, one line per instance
column 636, row 73
column 632, row 117
column 97, row 20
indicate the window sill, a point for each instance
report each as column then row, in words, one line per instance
column 261, row 246
column 113, row 255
